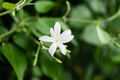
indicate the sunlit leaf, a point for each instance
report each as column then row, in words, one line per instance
column 8, row 5
column 16, row 58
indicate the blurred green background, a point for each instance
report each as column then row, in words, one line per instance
column 90, row 59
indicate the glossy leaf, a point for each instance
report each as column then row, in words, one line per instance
column 16, row 58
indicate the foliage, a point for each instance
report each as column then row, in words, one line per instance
column 94, row 53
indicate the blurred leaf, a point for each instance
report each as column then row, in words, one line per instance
column 23, row 41
column 1, row 56
column 90, row 35
column 36, row 71
column 3, row 30
column 8, row 5
column 35, row 78
column 103, row 35
column 78, row 15
column 16, row 58
column 98, row 77
column 117, row 41
column 114, row 25
column 22, row 14
column 66, row 75
column 97, row 6
column 44, row 6
column 116, row 58
column 1, row 1
column 50, row 67
column 40, row 26
column 89, row 72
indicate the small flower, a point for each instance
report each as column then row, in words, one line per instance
column 57, row 38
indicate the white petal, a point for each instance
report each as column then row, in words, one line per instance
column 66, row 39
column 52, row 48
column 62, row 48
column 46, row 39
column 52, row 33
column 57, row 28
column 65, row 34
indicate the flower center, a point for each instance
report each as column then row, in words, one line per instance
column 57, row 41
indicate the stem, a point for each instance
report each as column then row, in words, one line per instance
column 114, row 16
column 64, row 17
column 6, row 12
column 68, row 8
column 11, row 10
column 8, row 33
column 19, row 5
column 36, row 56
column 30, row 3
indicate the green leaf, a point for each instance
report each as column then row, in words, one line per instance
column 78, row 15
column 2, row 30
column 22, row 14
column 16, row 58
column 116, row 58
column 97, row 6
column 24, row 42
column 1, row 1
column 104, row 37
column 40, row 26
column 50, row 67
column 44, row 6
column 115, row 25
column 90, row 35
column 8, row 5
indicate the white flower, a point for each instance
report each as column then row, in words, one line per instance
column 57, row 38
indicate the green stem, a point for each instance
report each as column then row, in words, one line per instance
column 64, row 17
column 9, row 11
column 8, row 33
column 114, row 16
column 68, row 9
column 6, row 12
column 36, row 56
